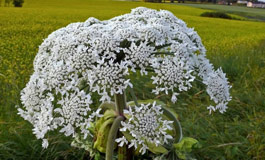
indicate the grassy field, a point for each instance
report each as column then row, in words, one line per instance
column 237, row 46
column 251, row 13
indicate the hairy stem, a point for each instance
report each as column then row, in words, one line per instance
column 112, row 136
column 120, row 101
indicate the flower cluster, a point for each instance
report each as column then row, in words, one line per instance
column 139, row 56
column 217, row 89
column 172, row 73
column 216, row 82
column 97, row 57
column 146, row 125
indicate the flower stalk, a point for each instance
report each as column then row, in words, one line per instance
column 176, row 123
column 112, row 136
column 120, row 100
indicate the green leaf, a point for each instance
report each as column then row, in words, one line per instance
column 102, row 135
column 103, row 126
column 98, row 156
column 185, row 146
column 109, row 114
column 107, row 105
column 156, row 149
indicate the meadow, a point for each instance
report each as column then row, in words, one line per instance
column 257, row 14
column 235, row 45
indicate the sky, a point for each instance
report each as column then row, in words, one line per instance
column 261, row 0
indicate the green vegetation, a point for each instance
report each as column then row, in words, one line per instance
column 18, row 3
column 251, row 13
column 217, row 15
column 237, row 46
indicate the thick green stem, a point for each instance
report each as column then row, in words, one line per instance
column 120, row 100
column 112, row 136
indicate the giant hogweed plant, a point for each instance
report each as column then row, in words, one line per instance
column 97, row 57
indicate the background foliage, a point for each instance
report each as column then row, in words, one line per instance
column 237, row 46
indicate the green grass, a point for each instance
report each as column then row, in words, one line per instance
column 236, row 46
column 251, row 13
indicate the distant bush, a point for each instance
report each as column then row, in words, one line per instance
column 216, row 15
column 18, row 3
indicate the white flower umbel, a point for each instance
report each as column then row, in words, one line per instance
column 108, row 77
column 96, row 57
column 146, row 125
column 218, row 89
column 139, row 56
column 172, row 73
